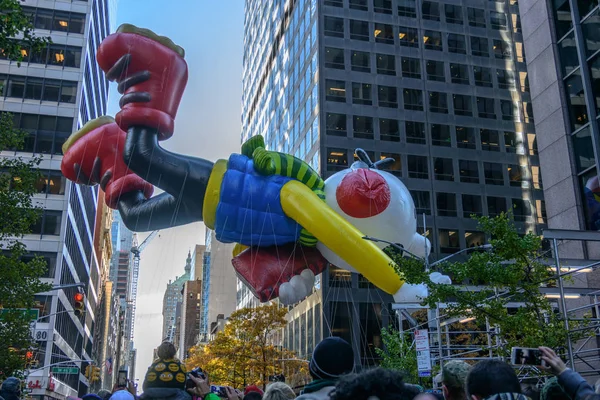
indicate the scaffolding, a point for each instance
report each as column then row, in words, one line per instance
column 582, row 356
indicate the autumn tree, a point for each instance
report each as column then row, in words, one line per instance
column 246, row 351
column 511, row 272
column 19, row 280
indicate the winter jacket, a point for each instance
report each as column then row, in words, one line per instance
column 575, row 385
column 249, row 210
column 165, row 393
column 317, row 390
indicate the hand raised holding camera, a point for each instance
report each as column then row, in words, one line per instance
column 202, row 387
column 555, row 364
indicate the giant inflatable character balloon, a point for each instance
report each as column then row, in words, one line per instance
column 288, row 223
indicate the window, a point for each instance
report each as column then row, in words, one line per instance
column 407, row 8
column 15, row 87
column 409, row 37
column 334, row 58
column 386, row 64
column 431, row 10
column 362, row 127
column 476, row 17
column 515, row 175
column 440, row 135
column 417, row 167
column 471, row 206
column 489, row 140
column 585, row 6
column 485, row 107
column 68, row 92
column 507, row 107
column 387, row 96
column 595, row 78
column 422, row 202
column 335, row 124
column 432, row 40
column 446, row 204
column 411, row 68
column 453, row 14
column 479, row 47
column 483, row 76
column 493, row 174
column 443, row 169
column 510, row 142
column 584, row 149
column 498, row 20
column 359, row 30
column 415, row 132
column 506, row 79
column 590, row 29
column 388, row 130
column 335, row 90
column 435, row 71
column 48, row 223
column 536, row 177
column 576, row 101
column 474, row 239
column 502, row 49
column 462, row 105
column 384, row 33
column 457, row 43
column 52, row 182
column 496, row 205
column 382, row 6
column 33, row 89
column 337, row 159
column 465, row 138
column 361, row 61
column 459, row 74
column 333, row 26
column 361, row 93
column 396, row 166
column 69, row 22
column 359, row 5
column 448, row 240
column 521, row 209
column 438, row 102
column 334, row 3
column 567, row 50
column 413, row 99
column 469, row 171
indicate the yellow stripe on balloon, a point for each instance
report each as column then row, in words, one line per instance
column 213, row 194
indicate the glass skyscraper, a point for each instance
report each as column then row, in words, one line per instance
column 441, row 87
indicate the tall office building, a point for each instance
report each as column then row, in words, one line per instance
column 51, row 94
column 190, row 316
column 174, row 296
column 562, row 43
column 440, row 86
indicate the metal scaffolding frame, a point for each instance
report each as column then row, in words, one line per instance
column 582, row 356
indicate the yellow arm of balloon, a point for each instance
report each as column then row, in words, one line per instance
column 304, row 206
column 213, row 194
column 238, row 249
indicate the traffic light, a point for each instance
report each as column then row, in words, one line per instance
column 88, row 372
column 95, row 374
column 78, row 304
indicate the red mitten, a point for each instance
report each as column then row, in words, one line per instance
column 151, row 73
column 285, row 271
column 94, row 155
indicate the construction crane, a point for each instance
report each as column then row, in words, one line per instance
column 136, row 251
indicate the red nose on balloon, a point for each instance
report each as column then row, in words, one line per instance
column 363, row 193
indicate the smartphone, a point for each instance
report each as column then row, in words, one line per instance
column 122, row 379
column 527, row 356
column 218, row 390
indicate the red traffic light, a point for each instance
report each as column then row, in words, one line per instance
column 29, row 355
column 78, row 297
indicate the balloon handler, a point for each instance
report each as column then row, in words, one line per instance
column 273, row 205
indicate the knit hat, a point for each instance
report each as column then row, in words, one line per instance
column 91, row 396
column 552, row 389
column 253, row 388
column 11, row 385
column 454, row 374
column 166, row 371
column 332, row 358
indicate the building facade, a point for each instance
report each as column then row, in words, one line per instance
column 441, row 87
column 174, row 296
column 190, row 316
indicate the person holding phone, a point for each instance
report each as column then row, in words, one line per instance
column 573, row 383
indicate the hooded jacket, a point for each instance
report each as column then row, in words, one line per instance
column 319, row 389
column 575, row 385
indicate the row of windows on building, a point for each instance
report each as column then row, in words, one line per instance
column 448, row 169
column 463, row 105
column 42, row 89
column 303, row 333
column 49, row 182
column 60, row 55
column 430, row 39
column 410, row 67
column 55, row 20
column 564, row 17
column 462, row 137
column 433, row 10
column 45, row 133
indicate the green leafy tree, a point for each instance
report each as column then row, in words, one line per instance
column 16, row 23
column 399, row 353
column 511, row 272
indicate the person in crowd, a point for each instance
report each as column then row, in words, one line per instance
column 383, row 384
column 91, row 396
column 426, row 396
column 532, row 392
column 332, row 358
column 104, row 394
column 411, row 391
column 493, row 380
column 574, row 385
column 279, row 391
column 10, row 389
column 122, row 394
column 552, row 390
column 253, row 396
column 253, row 388
column 453, row 379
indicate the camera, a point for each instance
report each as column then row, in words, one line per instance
column 527, row 356
column 196, row 372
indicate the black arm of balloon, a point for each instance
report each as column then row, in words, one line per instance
column 183, row 178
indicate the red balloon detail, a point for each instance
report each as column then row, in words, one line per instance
column 363, row 193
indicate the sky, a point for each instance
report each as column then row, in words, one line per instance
column 207, row 125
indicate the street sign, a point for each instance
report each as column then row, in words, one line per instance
column 423, row 353
column 32, row 313
column 65, row 370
